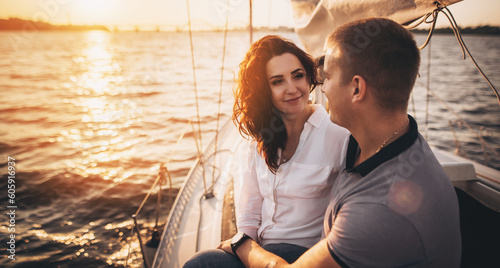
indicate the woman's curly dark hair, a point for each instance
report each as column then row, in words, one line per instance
column 253, row 111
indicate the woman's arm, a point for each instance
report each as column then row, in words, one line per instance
column 254, row 256
column 250, row 202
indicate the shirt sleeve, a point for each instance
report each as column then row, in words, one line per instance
column 372, row 235
column 250, row 202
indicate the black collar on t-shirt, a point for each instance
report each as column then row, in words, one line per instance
column 387, row 153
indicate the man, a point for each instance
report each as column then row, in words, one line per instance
column 393, row 205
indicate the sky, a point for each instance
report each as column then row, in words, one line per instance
column 209, row 13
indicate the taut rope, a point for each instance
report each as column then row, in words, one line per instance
column 456, row 30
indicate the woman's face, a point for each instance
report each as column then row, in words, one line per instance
column 287, row 79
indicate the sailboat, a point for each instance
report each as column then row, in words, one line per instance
column 204, row 211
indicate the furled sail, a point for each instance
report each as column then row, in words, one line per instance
column 315, row 19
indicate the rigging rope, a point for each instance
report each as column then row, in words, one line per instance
column 200, row 145
column 432, row 18
column 456, row 30
column 158, row 179
column 458, row 35
column 220, row 91
column 201, row 160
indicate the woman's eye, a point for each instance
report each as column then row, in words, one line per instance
column 299, row 76
column 276, row 82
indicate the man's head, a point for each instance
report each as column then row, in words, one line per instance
column 381, row 53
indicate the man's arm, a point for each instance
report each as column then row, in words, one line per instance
column 254, row 256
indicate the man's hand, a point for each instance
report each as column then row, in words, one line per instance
column 226, row 246
column 252, row 255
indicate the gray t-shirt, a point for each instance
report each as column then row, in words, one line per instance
column 396, row 209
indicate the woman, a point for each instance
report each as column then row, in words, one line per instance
column 295, row 156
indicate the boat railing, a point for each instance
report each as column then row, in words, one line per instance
column 163, row 178
column 204, row 165
column 160, row 180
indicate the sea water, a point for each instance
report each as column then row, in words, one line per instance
column 86, row 118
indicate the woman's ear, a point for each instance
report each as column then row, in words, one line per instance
column 359, row 88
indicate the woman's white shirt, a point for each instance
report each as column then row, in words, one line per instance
column 289, row 206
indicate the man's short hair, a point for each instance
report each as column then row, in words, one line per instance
column 384, row 53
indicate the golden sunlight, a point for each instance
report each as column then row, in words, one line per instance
column 99, row 64
column 104, row 117
column 95, row 8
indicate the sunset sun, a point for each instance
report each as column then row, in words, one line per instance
column 95, row 8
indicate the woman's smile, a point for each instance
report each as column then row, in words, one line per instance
column 293, row 100
column 288, row 82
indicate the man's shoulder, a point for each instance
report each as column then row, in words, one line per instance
column 420, row 159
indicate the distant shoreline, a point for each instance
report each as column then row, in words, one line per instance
column 16, row 24
column 480, row 30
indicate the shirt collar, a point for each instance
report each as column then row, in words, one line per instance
column 318, row 116
column 387, row 153
column 314, row 121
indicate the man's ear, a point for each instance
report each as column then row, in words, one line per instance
column 359, row 88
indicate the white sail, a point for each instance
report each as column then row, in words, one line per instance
column 315, row 19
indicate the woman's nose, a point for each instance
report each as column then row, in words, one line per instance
column 291, row 88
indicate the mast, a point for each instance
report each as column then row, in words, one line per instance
column 250, row 23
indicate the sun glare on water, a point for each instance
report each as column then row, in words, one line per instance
column 105, row 118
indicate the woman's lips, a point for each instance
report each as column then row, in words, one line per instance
column 294, row 99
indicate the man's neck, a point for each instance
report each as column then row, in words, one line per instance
column 376, row 133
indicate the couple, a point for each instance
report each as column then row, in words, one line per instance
column 388, row 202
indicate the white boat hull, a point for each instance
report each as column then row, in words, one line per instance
column 195, row 222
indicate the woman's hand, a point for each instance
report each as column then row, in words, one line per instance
column 226, row 246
